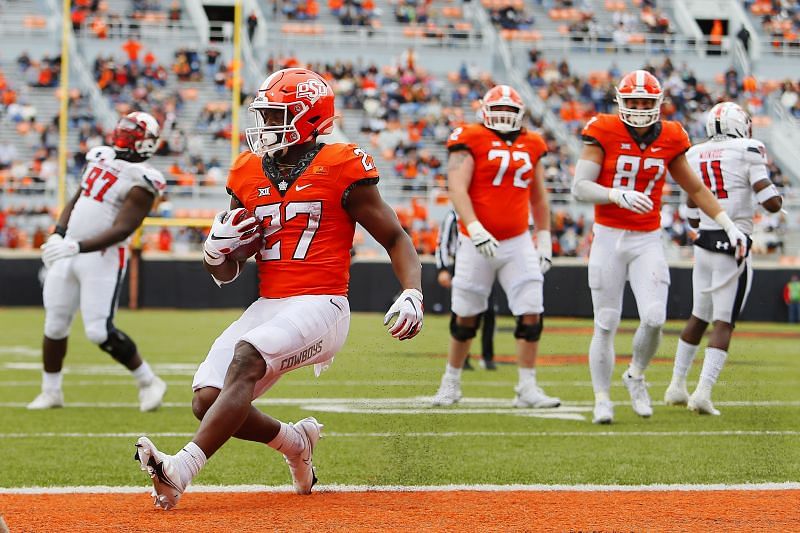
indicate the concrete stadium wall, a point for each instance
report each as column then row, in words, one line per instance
column 185, row 284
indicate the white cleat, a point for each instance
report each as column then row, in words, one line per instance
column 640, row 398
column 48, row 399
column 533, row 396
column 449, row 392
column 151, row 396
column 300, row 466
column 167, row 485
column 700, row 402
column 676, row 394
column 603, row 412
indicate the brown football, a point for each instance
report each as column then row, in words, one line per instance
column 246, row 251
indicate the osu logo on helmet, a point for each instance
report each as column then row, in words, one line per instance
column 292, row 106
column 639, row 85
column 502, row 109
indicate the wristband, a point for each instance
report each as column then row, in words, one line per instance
column 693, row 212
column 60, row 230
column 724, row 221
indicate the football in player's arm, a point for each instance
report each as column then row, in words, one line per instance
column 86, row 256
column 307, row 197
column 734, row 169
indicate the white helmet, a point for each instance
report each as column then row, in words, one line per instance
column 727, row 119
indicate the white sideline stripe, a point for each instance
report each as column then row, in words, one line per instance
column 378, row 383
column 434, row 434
column 421, row 404
column 100, row 489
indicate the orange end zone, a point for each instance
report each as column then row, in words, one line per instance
column 734, row 510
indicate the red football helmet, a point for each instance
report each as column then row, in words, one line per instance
column 635, row 85
column 136, row 136
column 306, row 103
column 502, row 120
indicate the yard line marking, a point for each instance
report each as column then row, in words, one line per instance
column 434, row 434
column 655, row 487
column 24, row 351
column 176, row 369
column 382, row 383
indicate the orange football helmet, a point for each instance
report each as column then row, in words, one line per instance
column 502, row 120
column 635, row 85
column 306, row 103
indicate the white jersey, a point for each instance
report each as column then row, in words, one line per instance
column 106, row 183
column 730, row 168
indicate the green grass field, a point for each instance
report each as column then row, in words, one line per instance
column 379, row 428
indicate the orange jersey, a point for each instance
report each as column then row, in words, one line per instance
column 308, row 232
column 503, row 172
column 628, row 165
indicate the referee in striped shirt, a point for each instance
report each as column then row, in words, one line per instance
column 446, row 245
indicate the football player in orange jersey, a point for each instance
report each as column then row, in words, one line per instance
column 496, row 178
column 622, row 170
column 308, row 198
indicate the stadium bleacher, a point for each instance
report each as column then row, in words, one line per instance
column 405, row 74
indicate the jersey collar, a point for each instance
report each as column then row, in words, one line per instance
column 650, row 136
column 282, row 183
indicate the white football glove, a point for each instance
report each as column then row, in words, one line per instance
column 225, row 236
column 635, row 201
column 482, row 239
column 57, row 248
column 544, row 245
column 408, row 312
column 735, row 235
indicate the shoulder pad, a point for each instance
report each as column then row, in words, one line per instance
column 144, row 175
column 459, row 136
column 755, row 152
column 241, row 159
column 101, row 153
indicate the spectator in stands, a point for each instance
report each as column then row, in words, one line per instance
column 8, row 154
column 252, row 23
column 744, row 37
column 175, row 13
column 791, row 296
column 715, row 38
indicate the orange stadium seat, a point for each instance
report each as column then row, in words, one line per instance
column 761, row 121
column 452, row 12
column 636, row 38
column 34, row 22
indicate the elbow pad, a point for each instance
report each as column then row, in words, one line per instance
column 766, row 193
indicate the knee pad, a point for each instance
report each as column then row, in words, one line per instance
column 655, row 315
column 119, row 346
column 529, row 332
column 607, row 319
column 460, row 332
